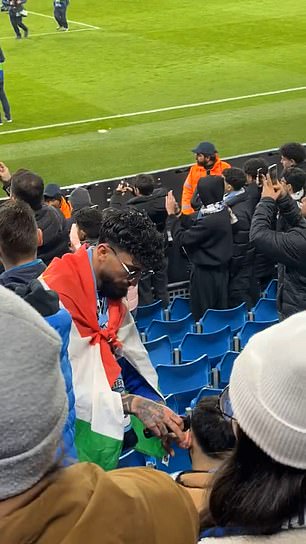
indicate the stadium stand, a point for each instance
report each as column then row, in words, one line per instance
column 175, row 329
column 213, row 344
column 160, row 351
column 183, row 377
column 265, row 310
column 217, row 319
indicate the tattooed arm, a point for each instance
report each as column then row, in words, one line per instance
column 156, row 417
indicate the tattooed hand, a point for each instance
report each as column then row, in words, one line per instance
column 156, row 417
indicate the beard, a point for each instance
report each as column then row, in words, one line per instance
column 110, row 289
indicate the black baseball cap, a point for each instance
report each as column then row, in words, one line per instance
column 206, row 148
column 52, row 190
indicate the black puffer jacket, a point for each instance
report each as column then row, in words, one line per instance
column 242, row 263
column 55, row 234
column 287, row 248
column 264, row 268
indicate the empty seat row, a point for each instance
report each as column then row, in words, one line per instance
column 212, row 321
column 194, row 345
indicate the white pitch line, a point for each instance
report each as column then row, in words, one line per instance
column 68, row 20
column 156, row 110
column 50, row 33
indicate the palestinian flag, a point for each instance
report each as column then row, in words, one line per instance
column 100, row 418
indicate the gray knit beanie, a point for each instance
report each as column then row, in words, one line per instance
column 80, row 198
column 268, row 391
column 33, row 406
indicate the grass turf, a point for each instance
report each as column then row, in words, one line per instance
column 151, row 55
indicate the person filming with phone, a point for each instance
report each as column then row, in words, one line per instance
column 287, row 249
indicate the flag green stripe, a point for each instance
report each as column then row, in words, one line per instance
column 96, row 448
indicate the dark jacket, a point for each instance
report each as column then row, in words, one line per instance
column 206, row 239
column 264, row 268
column 60, row 3
column 287, row 248
column 243, row 210
column 55, row 233
column 15, row 8
column 22, row 274
column 22, row 280
column 154, row 205
column 242, row 262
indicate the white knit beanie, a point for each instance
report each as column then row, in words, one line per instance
column 268, row 391
column 33, row 405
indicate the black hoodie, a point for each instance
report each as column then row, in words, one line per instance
column 55, row 234
column 207, row 239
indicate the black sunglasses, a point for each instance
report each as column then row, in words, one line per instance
column 132, row 274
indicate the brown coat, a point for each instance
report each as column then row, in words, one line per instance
column 85, row 505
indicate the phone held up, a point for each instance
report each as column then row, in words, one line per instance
column 272, row 171
column 259, row 177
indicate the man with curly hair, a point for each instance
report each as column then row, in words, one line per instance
column 115, row 384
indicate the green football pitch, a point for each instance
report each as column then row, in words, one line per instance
column 134, row 56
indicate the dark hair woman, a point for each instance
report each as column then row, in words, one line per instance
column 261, row 488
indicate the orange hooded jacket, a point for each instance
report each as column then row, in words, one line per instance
column 195, row 173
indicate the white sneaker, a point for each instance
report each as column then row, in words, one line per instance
column 9, row 120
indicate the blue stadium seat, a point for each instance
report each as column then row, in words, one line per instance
column 252, row 327
column 179, row 378
column 265, row 310
column 145, row 314
column 179, row 308
column 213, row 344
column 205, row 392
column 178, row 402
column 132, row 458
column 214, row 320
column 160, row 351
column 225, row 368
column 175, row 330
column 181, row 461
column 271, row 290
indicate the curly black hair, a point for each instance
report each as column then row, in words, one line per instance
column 293, row 151
column 133, row 231
column 235, row 177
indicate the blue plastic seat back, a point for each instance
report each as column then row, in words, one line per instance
column 179, row 308
column 179, row 378
column 213, row 344
column 145, row 314
column 253, row 327
column 271, row 290
column 181, row 461
column 175, row 330
column 235, row 318
column 205, row 392
column 178, row 402
column 225, row 367
column 265, row 310
column 132, row 458
column 160, row 351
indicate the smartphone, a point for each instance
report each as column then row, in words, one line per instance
column 259, row 177
column 272, row 171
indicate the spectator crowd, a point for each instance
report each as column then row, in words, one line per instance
column 78, row 386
